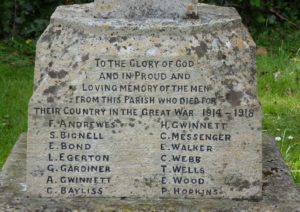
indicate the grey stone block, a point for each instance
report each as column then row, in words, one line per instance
column 279, row 191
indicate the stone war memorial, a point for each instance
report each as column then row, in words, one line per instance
column 145, row 106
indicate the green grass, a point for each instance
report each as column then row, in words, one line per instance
column 279, row 91
column 16, row 76
column 278, row 85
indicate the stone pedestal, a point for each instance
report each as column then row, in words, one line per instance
column 279, row 191
column 152, row 107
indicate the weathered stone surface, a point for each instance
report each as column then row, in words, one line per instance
column 156, row 108
column 279, row 192
column 137, row 9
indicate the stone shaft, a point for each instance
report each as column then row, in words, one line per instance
column 137, row 9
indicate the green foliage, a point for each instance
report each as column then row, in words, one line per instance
column 278, row 75
column 17, row 52
column 260, row 15
column 16, row 76
column 27, row 19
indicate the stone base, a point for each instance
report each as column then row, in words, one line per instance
column 279, row 191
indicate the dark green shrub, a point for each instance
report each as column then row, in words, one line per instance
column 27, row 19
column 260, row 15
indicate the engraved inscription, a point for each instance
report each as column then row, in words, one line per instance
column 162, row 101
